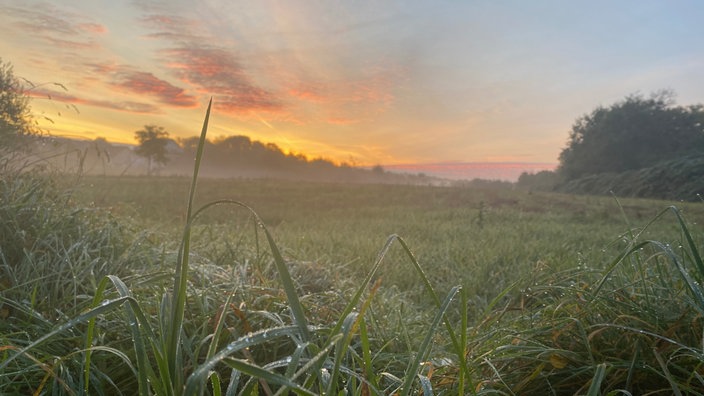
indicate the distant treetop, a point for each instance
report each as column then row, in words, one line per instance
column 634, row 133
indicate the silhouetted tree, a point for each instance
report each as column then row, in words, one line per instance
column 152, row 145
column 632, row 134
column 543, row 180
column 16, row 119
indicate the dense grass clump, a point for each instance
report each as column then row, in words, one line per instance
column 489, row 291
column 52, row 257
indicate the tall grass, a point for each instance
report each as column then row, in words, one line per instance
column 634, row 327
column 90, row 306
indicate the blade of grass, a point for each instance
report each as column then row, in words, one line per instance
column 143, row 366
column 366, row 353
column 181, row 275
column 597, row 379
column 425, row 385
column 423, row 349
column 268, row 376
column 459, row 349
column 349, row 327
column 104, row 307
column 690, row 241
column 198, row 376
column 284, row 274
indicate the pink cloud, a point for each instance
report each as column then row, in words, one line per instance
column 211, row 69
column 144, row 83
column 94, row 28
column 217, row 72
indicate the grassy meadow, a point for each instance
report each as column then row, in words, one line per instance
column 146, row 285
column 559, row 294
column 484, row 239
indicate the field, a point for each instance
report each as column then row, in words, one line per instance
column 559, row 294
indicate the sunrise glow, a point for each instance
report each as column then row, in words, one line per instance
column 369, row 83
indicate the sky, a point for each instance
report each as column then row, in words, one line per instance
column 362, row 82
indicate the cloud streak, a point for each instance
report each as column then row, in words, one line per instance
column 56, row 27
column 143, row 83
column 210, row 69
column 125, row 106
column 218, row 72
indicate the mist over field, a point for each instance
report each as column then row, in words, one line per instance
column 351, row 198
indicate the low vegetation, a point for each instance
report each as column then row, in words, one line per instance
column 485, row 291
column 679, row 179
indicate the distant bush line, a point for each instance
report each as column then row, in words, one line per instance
column 680, row 179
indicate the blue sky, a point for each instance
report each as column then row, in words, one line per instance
column 389, row 82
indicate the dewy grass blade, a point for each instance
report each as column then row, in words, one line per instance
column 349, row 327
column 143, row 367
column 459, row 349
column 104, row 307
column 690, row 241
column 218, row 328
column 140, row 350
column 425, row 385
column 423, row 350
column 599, row 374
column 289, row 287
column 268, row 376
column 367, row 354
column 285, row 276
column 181, row 276
column 200, row 374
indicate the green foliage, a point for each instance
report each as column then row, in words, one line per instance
column 15, row 114
column 541, row 181
column 678, row 179
column 632, row 134
column 632, row 326
column 52, row 257
column 152, row 145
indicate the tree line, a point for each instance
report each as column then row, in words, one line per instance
column 620, row 147
column 236, row 152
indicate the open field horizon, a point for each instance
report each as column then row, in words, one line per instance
column 366, row 198
column 574, row 288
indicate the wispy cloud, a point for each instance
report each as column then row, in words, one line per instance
column 210, row 69
column 218, row 72
column 126, row 106
column 55, row 26
column 93, row 28
column 144, row 83
column 349, row 101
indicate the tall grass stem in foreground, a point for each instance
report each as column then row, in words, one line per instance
column 180, row 281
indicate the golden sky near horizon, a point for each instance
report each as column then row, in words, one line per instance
column 366, row 82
